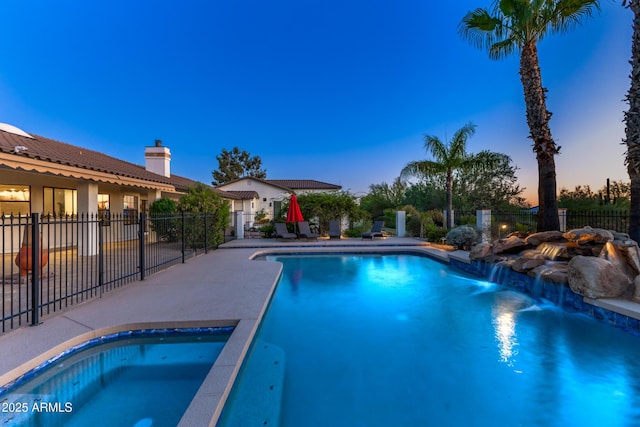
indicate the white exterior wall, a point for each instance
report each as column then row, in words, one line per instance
column 267, row 195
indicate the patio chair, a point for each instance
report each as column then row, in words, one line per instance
column 283, row 233
column 376, row 231
column 334, row 229
column 305, row 231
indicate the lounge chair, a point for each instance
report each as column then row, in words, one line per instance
column 334, row 229
column 305, row 231
column 376, row 231
column 283, row 233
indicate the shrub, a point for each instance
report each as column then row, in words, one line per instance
column 462, row 237
column 268, row 230
column 164, row 220
column 356, row 231
column 467, row 220
column 434, row 233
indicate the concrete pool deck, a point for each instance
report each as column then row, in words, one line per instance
column 222, row 288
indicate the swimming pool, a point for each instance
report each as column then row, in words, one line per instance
column 136, row 378
column 402, row 340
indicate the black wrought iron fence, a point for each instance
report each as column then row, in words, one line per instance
column 506, row 222
column 464, row 218
column 617, row 220
column 52, row 262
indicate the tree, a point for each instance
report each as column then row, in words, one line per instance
column 632, row 121
column 581, row 198
column 236, row 164
column 489, row 188
column 518, row 25
column 162, row 214
column 383, row 196
column 449, row 157
column 327, row 206
column 201, row 199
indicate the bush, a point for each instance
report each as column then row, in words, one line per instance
column 435, row 233
column 164, row 220
column 356, row 231
column 462, row 237
column 268, row 230
column 467, row 220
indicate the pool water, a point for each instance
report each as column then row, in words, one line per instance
column 137, row 381
column 402, row 340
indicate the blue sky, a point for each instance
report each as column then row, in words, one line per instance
column 336, row 91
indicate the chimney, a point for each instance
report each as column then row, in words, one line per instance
column 157, row 159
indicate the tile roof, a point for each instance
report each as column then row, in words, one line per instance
column 303, row 184
column 290, row 184
column 50, row 150
column 243, row 195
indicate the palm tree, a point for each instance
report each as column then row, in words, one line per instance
column 632, row 120
column 518, row 25
column 448, row 157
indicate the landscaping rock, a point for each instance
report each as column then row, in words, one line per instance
column 524, row 264
column 636, row 287
column 481, row 251
column 555, row 272
column 631, row 253
column 555, row 250
column 596, row 277
column 544, row 236
column 588, row 235
column 512, row 244
column 613, row 253
column 620, row 236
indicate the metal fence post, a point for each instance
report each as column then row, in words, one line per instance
column 101, row 225
column 184, row 236
column 35, row 269
column 142, row 227
column 206, row 241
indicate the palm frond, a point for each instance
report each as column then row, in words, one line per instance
column 571, row 13
column 503, row 48
column 458, row 147
column 422, row 168
column 436, row 147
column 479, row 28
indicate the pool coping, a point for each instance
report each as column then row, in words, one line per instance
column 227, row 287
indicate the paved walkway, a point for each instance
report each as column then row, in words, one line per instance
column 222, row 288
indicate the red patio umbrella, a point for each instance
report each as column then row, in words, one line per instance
column 293, row 213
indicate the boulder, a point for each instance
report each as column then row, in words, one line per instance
column 555, row 272
column 614, row 254
column 631, row 253
column 544, row 236
column 555, row 250
column 636, row 291
column 512, row 244
column 620, row 236
column 524, row 264
column 588, row 235
column 480, row 251
column 596, row 277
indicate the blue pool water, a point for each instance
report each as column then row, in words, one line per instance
column 139, row 381
column 402, row 340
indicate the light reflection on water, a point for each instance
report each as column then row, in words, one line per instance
column 403, row 340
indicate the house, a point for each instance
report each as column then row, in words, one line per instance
column 39, row 174
column 262, row 198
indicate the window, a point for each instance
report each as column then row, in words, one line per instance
column 60, row 201
column 130, row 211
column 103, row 209
column 15, row 199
